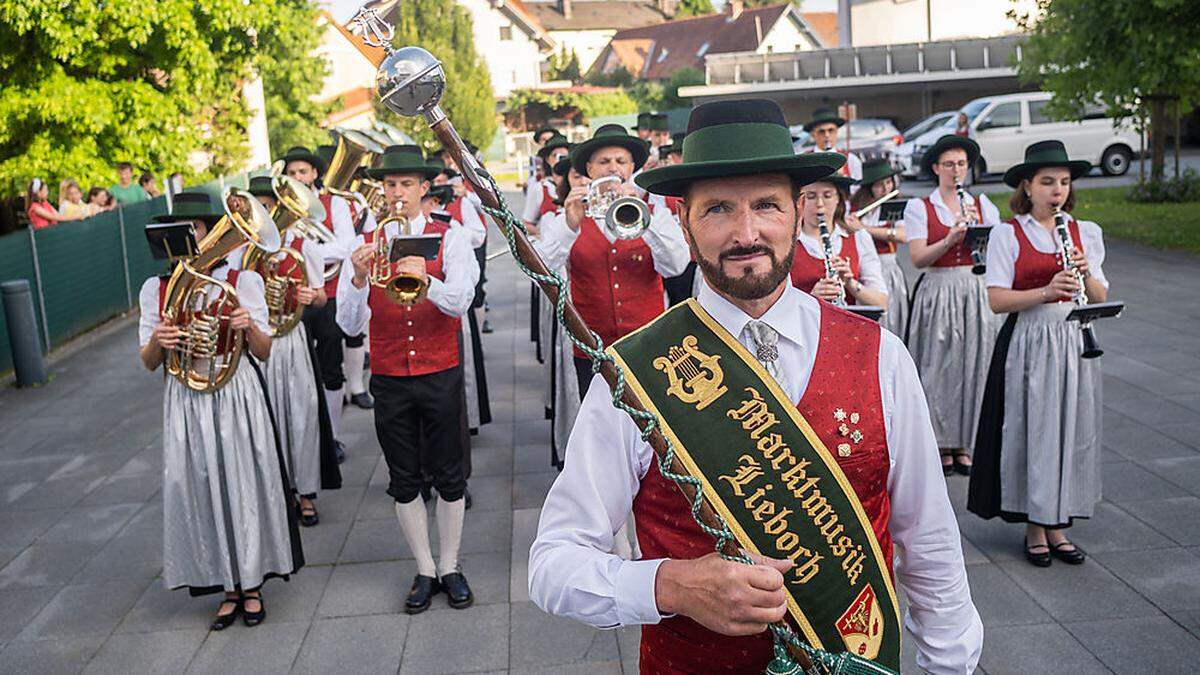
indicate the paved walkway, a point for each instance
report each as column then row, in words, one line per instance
column 81, row 520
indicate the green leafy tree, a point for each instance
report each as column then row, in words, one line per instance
column 446, row 30
column 621, row 77
column 292, row 77
column 1133, row 55
column 564, row 65
column 688, row 8
column 572, row 104
column 86, row 84
column 684, row 77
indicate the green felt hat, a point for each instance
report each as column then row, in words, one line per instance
column 260, row 186
column 658, row 122
column 444, row 194
column 824, row 116
column 1045, row 154
column 876, row 170
column 643, row 121
column 949, row 142
column 562, row 167
column 738, row 138
column 192, row 205
column 606, row 136
column 302, row 154
column 402, row 159
column 555, row 142
column 843, row 183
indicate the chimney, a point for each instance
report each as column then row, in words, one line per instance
column 668, row 8
column 564, row 6
column 734, row 8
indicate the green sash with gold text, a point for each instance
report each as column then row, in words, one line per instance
column 769, row 476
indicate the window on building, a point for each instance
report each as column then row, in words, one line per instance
column 1003, row 115
column 505, row 33
column 702, row 51
column 662, row 55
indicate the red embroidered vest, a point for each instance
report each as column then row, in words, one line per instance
column 327, row 202
column 957, row 256
column 417, row 340
column 807, row 270
column 231, row 278
column 613, row 285
column 842, row 397
column 1034, row 269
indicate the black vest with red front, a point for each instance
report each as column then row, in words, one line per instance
column 959, row 255
column 844, row 406
column 231, row 278
column 416, row 340
column 807, row 270
column 613, row 284
column 1034, row 269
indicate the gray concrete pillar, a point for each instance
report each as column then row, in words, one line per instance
column 23, row 333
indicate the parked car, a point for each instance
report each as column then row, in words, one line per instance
column 902, row 157
column 1005, row 125
column 869, row 138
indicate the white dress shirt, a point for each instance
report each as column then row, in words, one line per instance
column 1003, row 248
column 916, row 227
column 453, row 295
column 249, row 290
column 533, row 200
column 664, row 236
column 870, row 270
column 573, row 574
column 343, row 232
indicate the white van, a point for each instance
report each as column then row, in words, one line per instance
column 1005, row 125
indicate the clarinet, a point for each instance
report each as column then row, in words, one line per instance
column 978, row 262
column 1091, row 348
column 830, row 273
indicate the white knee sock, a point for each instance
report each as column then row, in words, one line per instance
column 352, row 365
column 333, row 400
column 449, row 524
column 415, row 527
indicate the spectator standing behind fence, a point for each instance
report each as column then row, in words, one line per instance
column 41, row 212
column 71, row 206
column 100, row 199
column 149, row 185
column 125, row 191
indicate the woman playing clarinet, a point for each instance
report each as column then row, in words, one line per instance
column 879, row 179
column 1037, row 455
column 851, row 252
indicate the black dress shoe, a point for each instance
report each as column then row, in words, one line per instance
column 309, row 517
column 962, row 468
column 1075, row 556
column 224, row 621
column 363, row 401
column 339, row 451
column 458, row 592
column 487, row 327
column 252, row 619
column 1041, row 559
column 422, row 591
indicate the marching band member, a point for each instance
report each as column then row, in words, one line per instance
column 227, row 525
column 823, row 127
column 616, row 284
column 540, row 200
column 1038, row 446
column 879, row 178
column 417, row 377
column 540, row 137
column 860, row 277
column 950, row 327
column 307, row 167
column 701, row 613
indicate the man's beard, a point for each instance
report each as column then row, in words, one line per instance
column 747, row 286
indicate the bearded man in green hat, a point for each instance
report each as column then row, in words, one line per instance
column 823, row 127
column 836, row 392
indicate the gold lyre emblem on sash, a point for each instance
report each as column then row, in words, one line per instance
column 695, row 377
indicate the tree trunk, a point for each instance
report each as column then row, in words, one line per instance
column 1158, row 137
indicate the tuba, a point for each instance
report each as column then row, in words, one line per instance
column 211, row 351
column 353, row 149
column 624, row 217
column 403, row 289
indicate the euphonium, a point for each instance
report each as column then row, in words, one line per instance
column 624, row 217
column 353, row 147
column 210, row 352
column 403, row 289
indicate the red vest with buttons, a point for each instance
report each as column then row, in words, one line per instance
column 1034, row 269
column 613, row 285
column 417, row 340
column 222, row 332
column 808, row 270
column 547, row 205
column 958, row 255
column 842, row 396
column 327, row 202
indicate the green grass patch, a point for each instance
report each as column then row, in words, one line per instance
column 1174, row 226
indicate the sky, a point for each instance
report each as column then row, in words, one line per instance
column 344, row 9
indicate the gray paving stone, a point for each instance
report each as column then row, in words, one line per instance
column 165, row 652
column 999, row 601
column 159, row 609
column 1188, row 618
column 997, row 540
column 323, row 543
column 1188, row 434
column 125, row 489
column 590, row 668
column 297, row 600
column 18, row 606
column 1112, row 529
column 490, row 493
column 524, row 532
column 54, row 494
column 487, row 462
column 147, row 461
column 629, row 639
column 147, row 523
column 47, row 564
column 436, row 640
column 1020, row 650
column 339, row 505
column 1135, row 441
column 376, row 504
column 1177, row 517
column 1130, row 482
column 93, row 609
column 269, row 648
column 372, row 540
column 1169, row 578
column 124, row 558
column 91, row 523
column 541, row 640
column 361, row 644
column 1184, row 472
column 971, row 553
column 367, row 588
column 19, row 529
column 488, row 574
column 52, row 657
column 531, row 459
column 1139, row 645
column 1078, row 592
column 529, row 489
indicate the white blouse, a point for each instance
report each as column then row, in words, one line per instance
column 870, row 270
column 916, row 227
column 249, row 291
column 1003, row 248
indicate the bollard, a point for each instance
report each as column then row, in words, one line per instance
column 23, row 333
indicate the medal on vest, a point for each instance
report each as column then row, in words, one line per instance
column 770, row 477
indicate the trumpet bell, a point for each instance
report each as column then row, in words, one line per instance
column 627, row 217
column 411, row 81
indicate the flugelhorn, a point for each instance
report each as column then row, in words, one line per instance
column 625, row 217
column 209, row 354
column 403, row 289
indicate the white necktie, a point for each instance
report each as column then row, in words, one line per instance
column 766, row 348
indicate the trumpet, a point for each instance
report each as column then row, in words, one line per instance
column 625, row 217
column 978, row 244
column 827, row 249
column 403, row 289
column 1091, row 347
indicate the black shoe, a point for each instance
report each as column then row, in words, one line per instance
column 1075, row 556
column 487, row 327
column 224, row 621
column 422, row 591
column 458, row 592
column 947, row 469
column 962, row 468
column 339, row 451
column 363, row 400
column 252, row 619
column 467, row 497
column 1037, row 559
column 308, row 516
